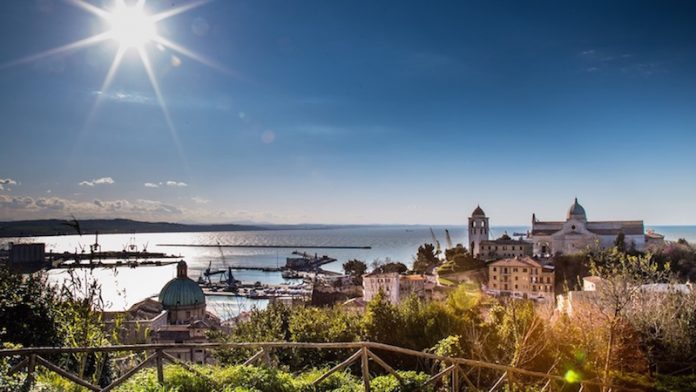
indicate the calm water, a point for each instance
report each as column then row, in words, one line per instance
column 125, row 286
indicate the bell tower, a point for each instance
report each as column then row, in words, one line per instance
column 478, row 231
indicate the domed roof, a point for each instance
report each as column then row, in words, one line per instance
column 576, row 211
column 478, row 212
column 181, row 291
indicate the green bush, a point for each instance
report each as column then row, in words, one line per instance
column 237, row 378
column 412, row 382
column 336, row 382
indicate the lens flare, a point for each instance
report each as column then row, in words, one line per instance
column 572, row 377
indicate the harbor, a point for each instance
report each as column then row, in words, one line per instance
column 267, row 246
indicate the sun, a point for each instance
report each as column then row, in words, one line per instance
column 131, row 26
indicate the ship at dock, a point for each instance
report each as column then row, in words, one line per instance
column 306, row 262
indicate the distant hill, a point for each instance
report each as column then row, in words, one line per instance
column 48, row 227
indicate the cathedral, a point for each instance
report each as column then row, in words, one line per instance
column 548, row 238
column 577, row 234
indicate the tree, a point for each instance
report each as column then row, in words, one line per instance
column 356, row 269
column 397, row 267
column 622, row 279
column 29, row 311
column 620, row 242
column 426, row 259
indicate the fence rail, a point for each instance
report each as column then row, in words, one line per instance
column 28, row 359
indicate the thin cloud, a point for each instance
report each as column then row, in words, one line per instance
column 98, row 181
column 26, row 207
column 126, row 97
column 199, row 200
column 6, row 181
column 170, row 183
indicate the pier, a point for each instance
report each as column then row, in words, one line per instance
column 99, row 264
column 268, row 246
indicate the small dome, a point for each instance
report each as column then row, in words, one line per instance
column 478, row 212
column 181, row 291
column 576, row 211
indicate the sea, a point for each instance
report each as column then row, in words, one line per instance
column 123, row 287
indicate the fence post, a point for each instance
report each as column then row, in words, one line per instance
column 160, row 369
column 455, row 378
column 365, row 369
column 31, row 367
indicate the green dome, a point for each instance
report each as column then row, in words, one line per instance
column 181, row 291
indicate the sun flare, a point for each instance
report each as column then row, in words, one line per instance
column 131, row 27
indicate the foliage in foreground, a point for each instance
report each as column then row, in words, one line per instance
column 242, row 378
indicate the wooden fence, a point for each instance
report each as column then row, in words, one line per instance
column 457, row 371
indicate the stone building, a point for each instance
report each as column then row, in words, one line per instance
column 396, row 287
column 504, row 247
column 178, row 316
column 576, row 234
column 479, row 230
column 482, row 247
column 521, row 277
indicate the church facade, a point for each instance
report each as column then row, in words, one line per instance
column 576, row 234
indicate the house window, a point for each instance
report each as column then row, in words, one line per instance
column 495, row 277
column 494, row 269
column 494, row 285
column 506, row 287
column 524, row 270
column 515, row 287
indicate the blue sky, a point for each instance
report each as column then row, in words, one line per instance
column 355, row 112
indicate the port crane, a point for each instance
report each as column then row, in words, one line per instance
column 449, row 239
column 226, row 276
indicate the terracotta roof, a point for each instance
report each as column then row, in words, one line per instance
column 519, row 260
column 412, row 277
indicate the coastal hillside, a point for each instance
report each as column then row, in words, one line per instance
column 48, row 227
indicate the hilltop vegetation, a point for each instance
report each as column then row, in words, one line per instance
column 49, row 227
column 622, row 337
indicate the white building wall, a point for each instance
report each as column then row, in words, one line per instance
column 388, row 283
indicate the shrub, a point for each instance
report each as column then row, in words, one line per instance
column 412, row 382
